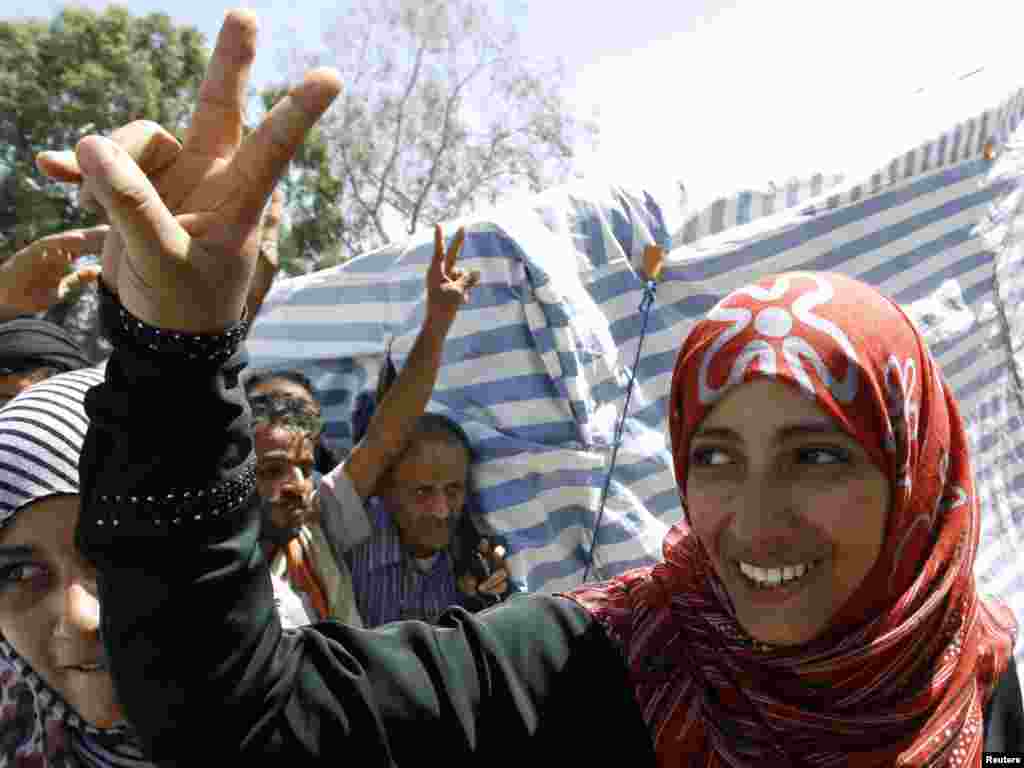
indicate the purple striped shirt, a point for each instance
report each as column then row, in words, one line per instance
column 387, row 583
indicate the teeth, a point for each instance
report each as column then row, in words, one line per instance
column 773, row 577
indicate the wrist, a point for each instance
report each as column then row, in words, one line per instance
column 437, row 322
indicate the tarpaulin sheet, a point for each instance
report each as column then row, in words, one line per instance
column 536, row 366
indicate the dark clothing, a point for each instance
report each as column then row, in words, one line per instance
column 1003, row 721
column 202, row 666
column 27, row 342
column 207, row 675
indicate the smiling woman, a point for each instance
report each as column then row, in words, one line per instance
column 824, row 571
column 57, row 701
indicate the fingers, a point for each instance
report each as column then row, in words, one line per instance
column 453, row 251
column 71, row 244
column 59, row 166
column 437, row 263
column 77, row 280
column 467, row 282
column 271, row 227
column 496, row 584
column 266, row 152
column 152, row 148
column 129, row 199
column 216, row 127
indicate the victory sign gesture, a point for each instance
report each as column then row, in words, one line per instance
column 185, row 220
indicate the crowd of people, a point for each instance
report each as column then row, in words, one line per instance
column 190, row 575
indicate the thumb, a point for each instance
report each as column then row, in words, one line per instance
column 132, row 204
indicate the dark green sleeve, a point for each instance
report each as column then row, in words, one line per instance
column 205, row 672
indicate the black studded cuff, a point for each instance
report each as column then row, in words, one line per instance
column 178, row 508
column 123, row 329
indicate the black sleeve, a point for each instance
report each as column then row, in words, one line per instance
column 201, row 665
column 1003, row 721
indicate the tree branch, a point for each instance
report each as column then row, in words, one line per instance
column 443, row 144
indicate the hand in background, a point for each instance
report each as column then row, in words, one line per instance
column 448, row 287
column 41, row 274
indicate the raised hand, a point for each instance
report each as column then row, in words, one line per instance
column 448, row 287
column 268, row 263
column 40, row 275
column 192, row 272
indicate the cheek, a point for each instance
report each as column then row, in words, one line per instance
column 852, row 516
column 28, row 630
column 710, row 510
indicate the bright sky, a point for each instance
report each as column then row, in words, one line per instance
column 722, row 95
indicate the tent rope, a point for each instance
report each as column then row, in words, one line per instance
column 646, row 303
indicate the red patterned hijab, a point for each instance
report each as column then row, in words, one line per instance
column 902, row 673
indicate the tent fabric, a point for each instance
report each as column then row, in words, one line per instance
column 536, row 366
column 748, row 205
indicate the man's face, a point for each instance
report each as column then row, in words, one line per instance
column 426, row 492
column 284, row 477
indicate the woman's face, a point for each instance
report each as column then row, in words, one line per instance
column 49, row 609
column 790, row 509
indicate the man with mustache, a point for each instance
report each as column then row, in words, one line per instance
column 285, row 431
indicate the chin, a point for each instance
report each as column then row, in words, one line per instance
column 94, row 700
column 777, row 632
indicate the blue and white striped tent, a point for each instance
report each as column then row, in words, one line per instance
column 536, row 366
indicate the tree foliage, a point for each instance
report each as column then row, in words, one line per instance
column 83, row 72
column 439, row 113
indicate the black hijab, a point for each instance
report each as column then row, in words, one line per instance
column 28, row 342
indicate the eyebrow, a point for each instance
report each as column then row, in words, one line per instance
column 787, row 432
column 15, row 553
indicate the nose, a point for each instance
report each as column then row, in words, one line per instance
column 765, row 520
column 80, row 614
column 438, row 506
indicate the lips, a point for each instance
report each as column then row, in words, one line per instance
column 86, row 667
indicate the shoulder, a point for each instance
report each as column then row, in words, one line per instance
column 615, row 603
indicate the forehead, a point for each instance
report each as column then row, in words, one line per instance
column 271, row 437
column 47, row 524
column 282, row 387
column 765, row 406
column 433, row 461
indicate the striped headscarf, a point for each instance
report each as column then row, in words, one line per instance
column 42, row 431
column 903, row 671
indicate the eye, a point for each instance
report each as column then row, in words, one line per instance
column 821, row 456
column 709, row 457
column 20, row 572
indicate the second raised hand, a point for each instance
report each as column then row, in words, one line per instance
column 193, row 273
column 448, row 286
